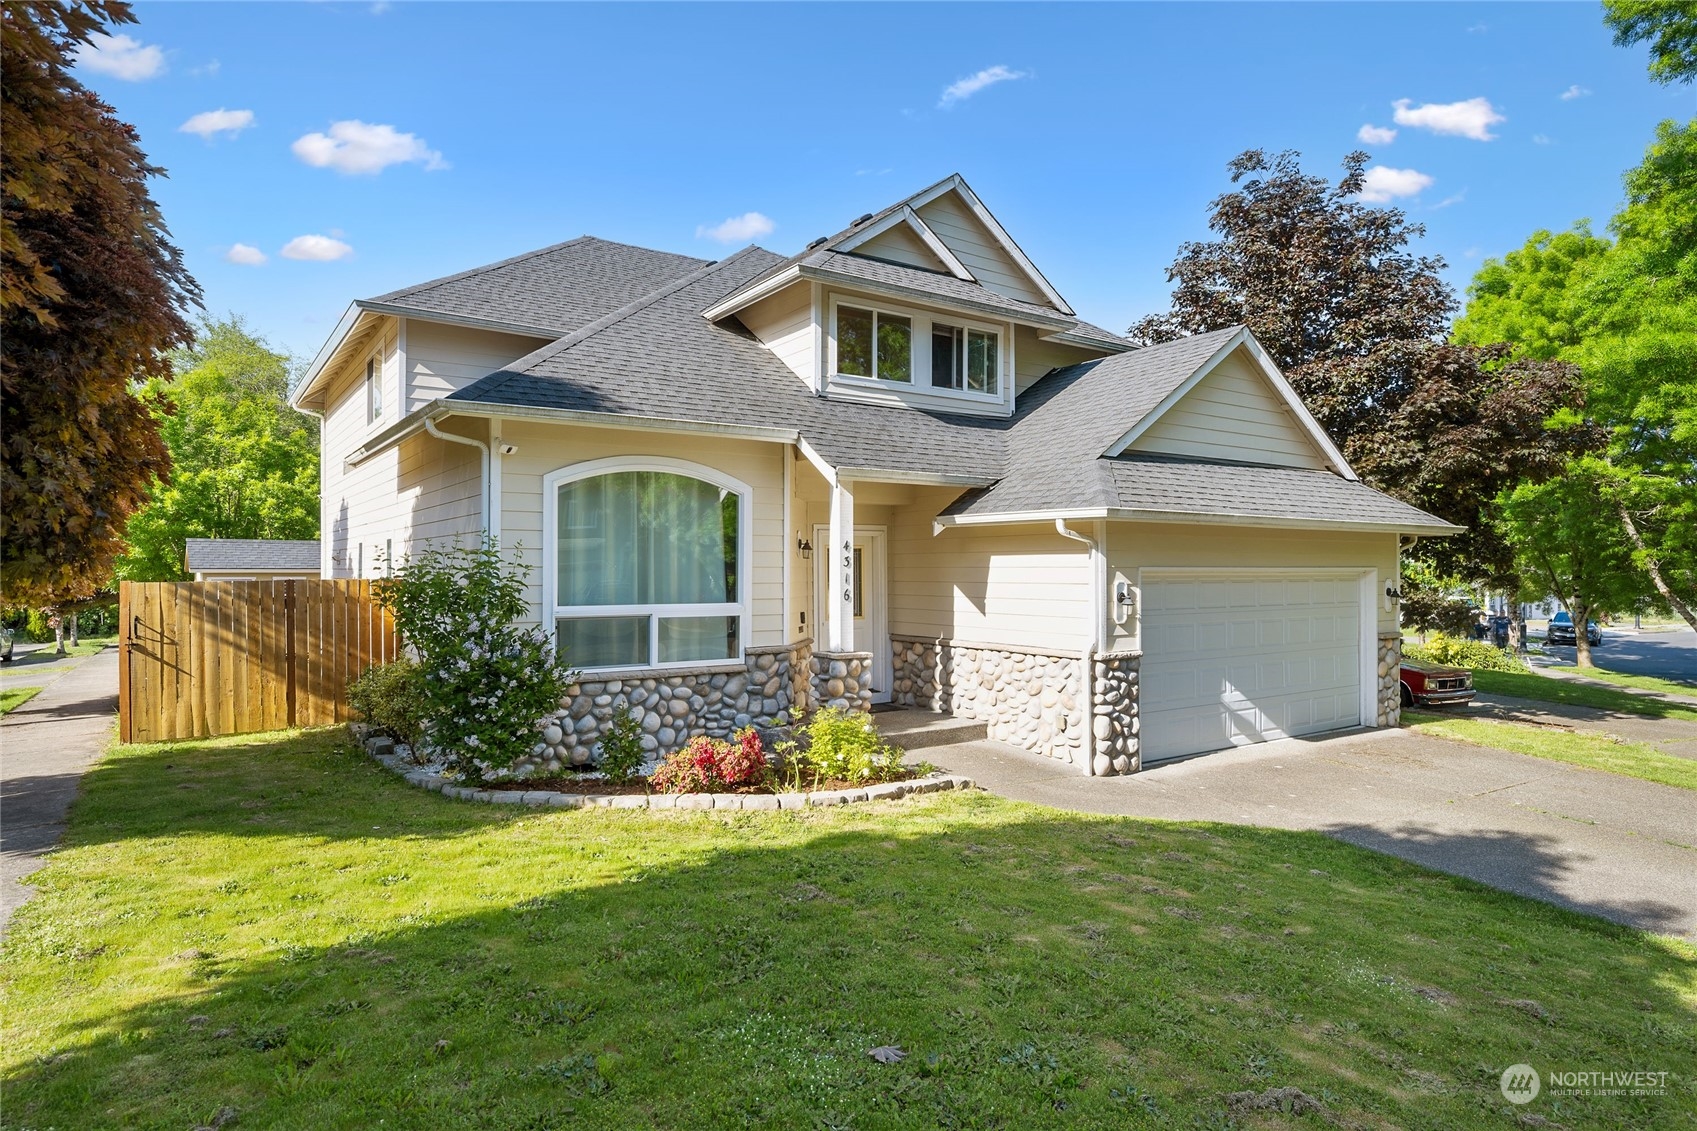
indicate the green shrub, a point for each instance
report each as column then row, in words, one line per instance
column 621, row 746
column 1459, row 653
column 840, row 746
column 489, row 685
column 391, row 698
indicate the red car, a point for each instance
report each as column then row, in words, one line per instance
column 1429, row 684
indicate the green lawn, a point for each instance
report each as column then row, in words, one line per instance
column 1642, row 682
column 1593, row 751
column 46, row 655
column 275, row 926
column 1549, row 689
column 14, row 697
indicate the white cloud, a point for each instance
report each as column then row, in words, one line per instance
column 972, row 84
column 120, row 56
column 1540, row 139
column 1478, row 29
column 208, row 70
column 211, row 122
column 321, row 249
column 1472, row 118
column 1376, row 135
column 1575, row 91
column 360, row 147
column 1449, row 200
column 1383, row 184
column 245, row 254
column 737, row 229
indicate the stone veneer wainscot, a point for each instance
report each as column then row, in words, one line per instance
column 674, row 706
column 1390, row 679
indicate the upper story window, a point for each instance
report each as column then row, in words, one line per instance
column 916, row 349
column 648, row 564
column 373, row 389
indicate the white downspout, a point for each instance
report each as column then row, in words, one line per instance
column 483, row 499
column 1087, row 658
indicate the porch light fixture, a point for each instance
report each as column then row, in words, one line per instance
column 1392, row 596
column 804, row 548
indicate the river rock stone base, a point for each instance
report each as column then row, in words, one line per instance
column 1390, row 682
column 1114, row 713
column 672, row 708
column 842, row 680
column 888, row 791
column 1025, row 698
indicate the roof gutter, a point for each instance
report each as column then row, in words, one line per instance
column 1190, row 518
column 1087, row 656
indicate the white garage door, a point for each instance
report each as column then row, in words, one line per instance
column 1228, row 661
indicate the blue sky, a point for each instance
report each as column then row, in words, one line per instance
column 389, row 143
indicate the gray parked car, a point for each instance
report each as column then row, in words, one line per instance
column 5, row 645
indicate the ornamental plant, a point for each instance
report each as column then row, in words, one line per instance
column 845, row 746
column 490, row 684
column 712, row 765
column 392, row 699
column 621, row 746
column 1460, row 653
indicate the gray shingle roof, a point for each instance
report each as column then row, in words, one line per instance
column 659, row 358
column 558, row 288
column 922, row 283
column 1286, row 494
column 258, row 554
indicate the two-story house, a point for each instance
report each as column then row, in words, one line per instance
column 895, row 467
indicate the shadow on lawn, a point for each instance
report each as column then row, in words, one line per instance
column 1043, row 969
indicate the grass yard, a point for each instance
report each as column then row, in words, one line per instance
column 46, row 655
column 1549, row 689
column 1641, row 682
column 14, row 697
column 1593, row 751
column 276, row 927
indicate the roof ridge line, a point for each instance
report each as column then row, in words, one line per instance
column 612, row 318
column 471, row 272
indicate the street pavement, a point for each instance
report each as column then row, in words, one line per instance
column 1667, row 654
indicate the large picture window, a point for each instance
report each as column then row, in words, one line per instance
column 911, row 348
column 647, row 569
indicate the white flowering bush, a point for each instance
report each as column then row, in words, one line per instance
column 489, row 684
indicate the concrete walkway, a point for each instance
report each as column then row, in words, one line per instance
column 1608, row 845
column 45, row 746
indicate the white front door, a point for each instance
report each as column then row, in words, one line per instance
column 871, row 626
column 1232, row 658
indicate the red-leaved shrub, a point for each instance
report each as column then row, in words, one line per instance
column 712, row 765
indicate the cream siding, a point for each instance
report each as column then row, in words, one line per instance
column 441, row 358
column 543, row 448
column 784, row 324
column 1232, row 414
column 420, row 490
column 1135, row 545
column 1033, row 357
column 901, row 244
column 966, row 236
column 1010, row 585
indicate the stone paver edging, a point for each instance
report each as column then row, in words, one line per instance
column 887, row 791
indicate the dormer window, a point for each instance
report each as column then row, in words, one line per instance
column 910, row 347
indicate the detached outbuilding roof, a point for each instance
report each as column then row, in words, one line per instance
column 261, row 555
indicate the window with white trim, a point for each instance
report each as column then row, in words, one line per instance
column 907, row 347
column 648, row 569
column 373, row 388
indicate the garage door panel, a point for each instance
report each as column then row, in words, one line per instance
column 1235, row 661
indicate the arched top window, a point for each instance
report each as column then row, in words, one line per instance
column 646, row 563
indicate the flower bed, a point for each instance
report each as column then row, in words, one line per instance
column 634, row 796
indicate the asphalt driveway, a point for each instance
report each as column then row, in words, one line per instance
column 1601, row 843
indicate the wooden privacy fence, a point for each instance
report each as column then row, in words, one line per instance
column 200, row 658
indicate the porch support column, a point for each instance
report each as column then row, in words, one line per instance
column 840, row 570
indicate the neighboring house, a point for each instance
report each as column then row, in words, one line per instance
column 894, row 467
column 251, row 559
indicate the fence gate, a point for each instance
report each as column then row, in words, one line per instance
column 201, row 658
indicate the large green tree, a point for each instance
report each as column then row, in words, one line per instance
column 244, row 464
column 1624, row 313
column 1356, row 320
column 1670, row 26
column 92, row 299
